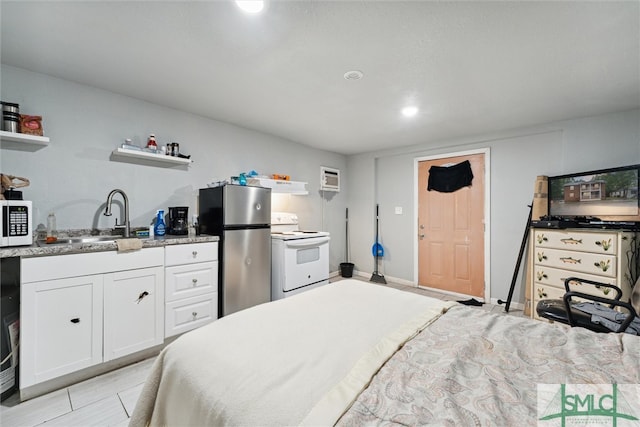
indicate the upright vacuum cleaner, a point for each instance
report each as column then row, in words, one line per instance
column 378, row 252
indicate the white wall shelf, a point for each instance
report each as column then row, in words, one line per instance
column 135, row 156
column 22, row 141
column 280, row 186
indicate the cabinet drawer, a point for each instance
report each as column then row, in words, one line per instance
column 604, row 243
column 190, row 280
column 191, row 253
column 190, row 313
column 555, row 277
column 582, row 262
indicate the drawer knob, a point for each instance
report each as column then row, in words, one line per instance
column 194, row 281
column 603, row 265
column 194, row 253
column 75, row 320
column 195, row 315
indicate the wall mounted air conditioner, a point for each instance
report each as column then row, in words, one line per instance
column 329, row 179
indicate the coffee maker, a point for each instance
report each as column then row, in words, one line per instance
column 178, row 223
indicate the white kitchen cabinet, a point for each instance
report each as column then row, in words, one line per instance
column 191, row 286
column 65, row 299
column 133, row 311
column 61, row 327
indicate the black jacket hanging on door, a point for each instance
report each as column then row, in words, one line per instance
column 447, row 179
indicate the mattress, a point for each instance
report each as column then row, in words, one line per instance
column 354, row 353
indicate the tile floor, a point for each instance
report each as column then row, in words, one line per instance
column 109, row 399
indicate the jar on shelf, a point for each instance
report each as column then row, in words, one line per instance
column 151, row 142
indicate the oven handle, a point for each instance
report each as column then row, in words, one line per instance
column 306, row 243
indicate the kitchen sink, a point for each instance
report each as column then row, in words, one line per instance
column 80, row 240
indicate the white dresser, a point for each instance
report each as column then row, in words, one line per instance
column 598, row 255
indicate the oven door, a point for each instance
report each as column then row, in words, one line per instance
column 306, row 261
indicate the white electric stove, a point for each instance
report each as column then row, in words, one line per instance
column 299, row 258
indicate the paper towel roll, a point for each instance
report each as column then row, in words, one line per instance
column 540, row 195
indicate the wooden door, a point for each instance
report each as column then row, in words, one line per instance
column 451, row 231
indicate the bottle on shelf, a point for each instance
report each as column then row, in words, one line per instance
column 151, row 142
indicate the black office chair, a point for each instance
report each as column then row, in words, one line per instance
column 564, row 310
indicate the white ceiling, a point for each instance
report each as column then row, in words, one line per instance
column 471, row 67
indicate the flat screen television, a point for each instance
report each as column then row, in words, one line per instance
column 608, row 195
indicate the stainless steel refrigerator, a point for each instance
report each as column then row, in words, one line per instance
column 241, row 216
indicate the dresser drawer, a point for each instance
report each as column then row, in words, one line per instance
column 183, row 281
column 549, row 292
column 190, row 253
column 190, row 313
column 582, row 262
column 555, row 277
column 552, row 280
column 604, row 243
column 544, row 292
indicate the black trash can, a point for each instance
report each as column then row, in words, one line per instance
column 346, row 269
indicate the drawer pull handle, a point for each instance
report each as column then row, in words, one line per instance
column 195, row 315
column 141, row 296
column 195, row 281
column 604, row 244
column 194, row 253
column 603, row 265
column 569, row 260
column 75, row 320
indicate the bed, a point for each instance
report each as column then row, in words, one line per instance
column 353, row 353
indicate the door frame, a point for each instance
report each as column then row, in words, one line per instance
column 487, row 213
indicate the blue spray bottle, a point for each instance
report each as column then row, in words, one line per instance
column 159, row 227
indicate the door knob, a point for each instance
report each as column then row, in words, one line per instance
column 421, row 236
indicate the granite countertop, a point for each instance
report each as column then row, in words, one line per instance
column 35, row 250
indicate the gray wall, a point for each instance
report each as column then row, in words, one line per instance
column 517, row 157
column 74, row 174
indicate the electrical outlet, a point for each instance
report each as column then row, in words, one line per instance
column 398, row 210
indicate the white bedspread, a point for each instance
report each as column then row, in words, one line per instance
column 300, row 360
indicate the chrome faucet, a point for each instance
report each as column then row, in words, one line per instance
column 126, row 225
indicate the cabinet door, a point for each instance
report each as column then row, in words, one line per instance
column 133, row 311
column 61, row 327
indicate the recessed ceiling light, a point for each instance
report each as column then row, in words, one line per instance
column 353, row 75
column 409, row 111
column 251, row 6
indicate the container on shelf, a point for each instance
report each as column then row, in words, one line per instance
column 151, row 142
column 52, row 232
column 10, row 117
